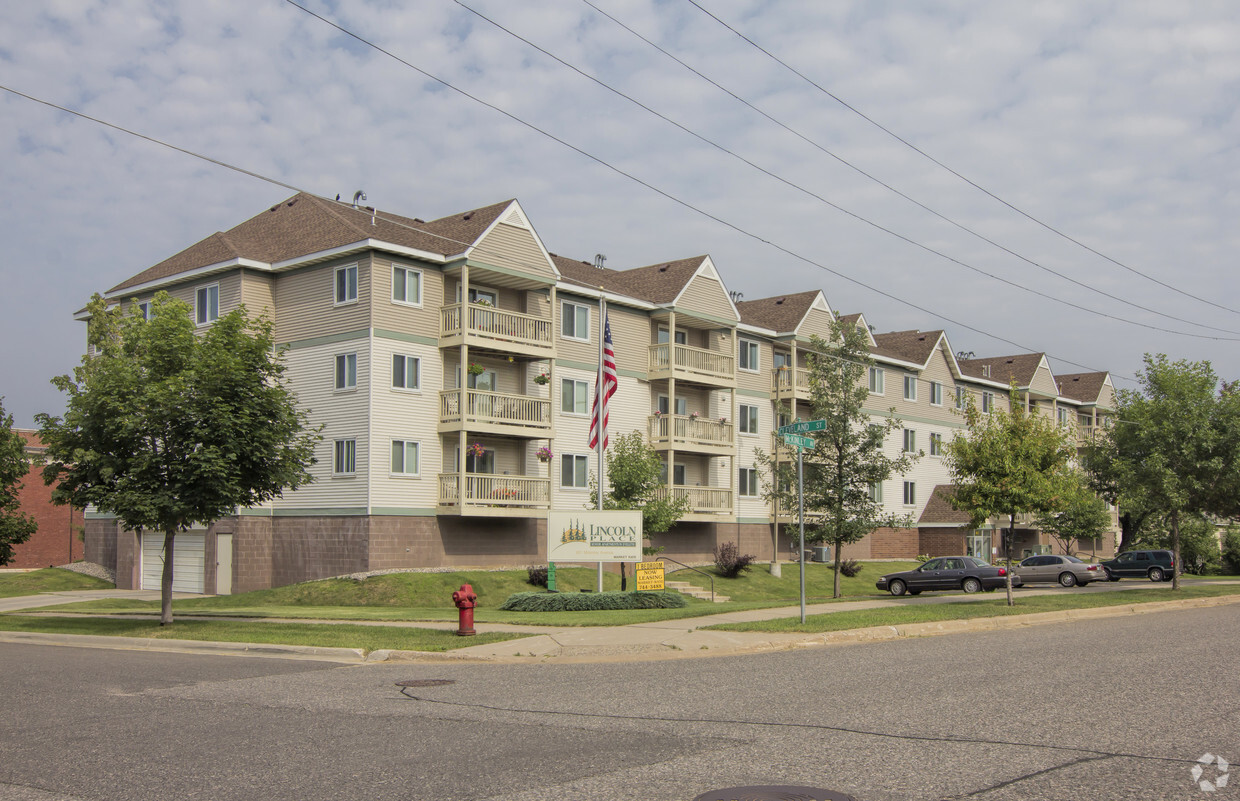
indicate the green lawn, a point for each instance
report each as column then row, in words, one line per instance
column 49, row 579
column 758, row 585
column 996, row 607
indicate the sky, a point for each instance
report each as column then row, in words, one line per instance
column 1055, row 177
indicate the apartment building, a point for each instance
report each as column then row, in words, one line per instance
column 451, row 363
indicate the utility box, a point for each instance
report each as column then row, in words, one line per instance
column 822, row 553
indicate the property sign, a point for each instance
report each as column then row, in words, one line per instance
column 800, row 442
column 593, row 536
column 649, row 576
column 803, row 427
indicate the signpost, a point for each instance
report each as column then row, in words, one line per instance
column 791, row 434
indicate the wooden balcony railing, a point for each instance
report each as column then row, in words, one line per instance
column 691, row 363
column 702, row 500
column 691, row 432
column 486, row 490
column 494, row 409
column 789, row 381
column 492, row 325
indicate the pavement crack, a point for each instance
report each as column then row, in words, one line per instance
column 1027, row 776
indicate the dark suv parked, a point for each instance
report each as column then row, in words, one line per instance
column 1154, row 565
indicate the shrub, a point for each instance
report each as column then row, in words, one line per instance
column 923, row 557
column 729, row 561
column 537, row 575
column 592, row 601
column 850, row 567
column 1231, row 548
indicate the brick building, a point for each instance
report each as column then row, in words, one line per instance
column 58, row 540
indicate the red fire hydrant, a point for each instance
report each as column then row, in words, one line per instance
column 465, row 600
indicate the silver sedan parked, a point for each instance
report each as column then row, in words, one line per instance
column 1067, row 571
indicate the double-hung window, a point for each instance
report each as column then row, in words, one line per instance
column 574, row 471
column 404, row 457
column 207, row 304
column 876, row 491
column 910, row 493
column 406, row 371
column 575, row 321
column 344, row 457
column 144, row 309
column 876, row 380
column 748, row 355
column 748, row 482
column 406, row 285
column 988, row 402
column 748, row 419
column 346, row 371
column 910, row 441
column 962, row 398
column 936, row 444
column 910, row 387
column 936, row 393
column 574, row 396
column 346, row 284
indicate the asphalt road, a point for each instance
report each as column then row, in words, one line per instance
column 1107, row 709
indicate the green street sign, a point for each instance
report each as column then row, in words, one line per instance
column 804, row 426
column 800, row 442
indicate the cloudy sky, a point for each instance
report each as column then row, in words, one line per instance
column 1112, row 124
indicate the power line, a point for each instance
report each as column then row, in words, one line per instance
column 822, row 148
column 940, row 164
column 854, row 215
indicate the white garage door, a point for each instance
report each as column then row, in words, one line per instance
column 188, row 566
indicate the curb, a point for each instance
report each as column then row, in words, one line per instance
column 348, row 655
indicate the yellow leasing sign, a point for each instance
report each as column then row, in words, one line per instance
column 649, row 576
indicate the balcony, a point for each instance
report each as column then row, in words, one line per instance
column 790, row 384
column 692, row 434
column 489, row 495
column 494, row 413
column 696, row 365
column 495, row 330
column 705, row 503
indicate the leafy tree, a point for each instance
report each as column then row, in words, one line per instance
column 1199, row 542
column 15, row 526
column 167, row 427
column 1082, row 515
column 1231, row 548
column 633, row 480
column 1009, row 463
column 848, row 456
column 1102, row 469
column 1175, row 446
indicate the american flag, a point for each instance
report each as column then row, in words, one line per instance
column 604, row 388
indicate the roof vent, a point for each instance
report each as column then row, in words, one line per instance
column 779, row 302
column 467, row 216
column 663, row 269
column 359, row 195
column 600, row 260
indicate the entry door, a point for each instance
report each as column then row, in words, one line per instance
column 223, row 564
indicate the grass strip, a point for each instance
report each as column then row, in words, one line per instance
column 930, row 613
column 324, row 635
column 49, row 579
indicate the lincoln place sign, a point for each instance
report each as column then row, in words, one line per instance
column 593, row 536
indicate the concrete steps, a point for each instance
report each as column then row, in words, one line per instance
column 686, row 588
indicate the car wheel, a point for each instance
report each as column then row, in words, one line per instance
column 1156, row 574
column 1067, row 579
column 988, row 589
column 897, row 587
column 1111, row 576
column 914, row 592
column 971, row 585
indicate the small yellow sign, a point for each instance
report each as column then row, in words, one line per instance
column 649, row 576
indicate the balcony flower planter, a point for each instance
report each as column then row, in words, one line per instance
column 475, row 369
column 544, row 454
column 476, row 449
column 542, row 379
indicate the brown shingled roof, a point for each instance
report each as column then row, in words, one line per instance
column 781, row 314
column 586, row 274
column 305, row 224
column 910, row 346
column 1020, row 368
column 656, row 283
column 939, row 509
column 1083, row 387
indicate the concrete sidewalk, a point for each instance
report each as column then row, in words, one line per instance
column 666, row 639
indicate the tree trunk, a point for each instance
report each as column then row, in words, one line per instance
column 836, row 592
column 1007, row 550
column 624, row 578
column 165, row 582
column 1175, row 549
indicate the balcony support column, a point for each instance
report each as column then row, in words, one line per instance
column 463, row 382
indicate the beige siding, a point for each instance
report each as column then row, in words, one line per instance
column 421, row 319
column 305, row 302
column 817, row 322
column 582, row 351
column 405, row 415
column 707, row 296
column 1043, row 382
column 630, row 337
column 756, row 380
column 257, row 293
column 512, row 248
column 230, row 291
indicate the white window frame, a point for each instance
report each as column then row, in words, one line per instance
column 936, row 393
column 344, row 457
column 417, row 373
column 682, row 405
column 910, row 440
column 565, row 316
column 341, row 372
column 747, row 418
column 344, row 270
column 910, row 493
column 936, row 444
column 144, row 308
column 204, row 312
column 751, row 360
column 962, row 397
column 747, row 482
column 677, row 467
column 576, row 459
column 988, row 402
column 408, row 271
column 663, row 336
column 876, row 491
column 877, row 381
column 910, row 387
column 585, row 393
column 1063, row 415
column 404, row 445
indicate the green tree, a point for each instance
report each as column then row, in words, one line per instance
column 167, row 426
column 848, row 457
column 633, row 480
column 1009, row 463
column 15, row 526
column 1199, row 542
column 1082, row 515
column 1100, row 465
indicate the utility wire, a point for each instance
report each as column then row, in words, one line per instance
column 822, row 148
column 968, row 181
column 837, row 207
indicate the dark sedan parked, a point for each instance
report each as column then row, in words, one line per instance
column 966, row 573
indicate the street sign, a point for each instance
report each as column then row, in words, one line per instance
column 800, row 442
column 804, row 426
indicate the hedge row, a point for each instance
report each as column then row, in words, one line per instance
column 590, row 601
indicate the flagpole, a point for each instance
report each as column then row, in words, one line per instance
column 601, row 409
